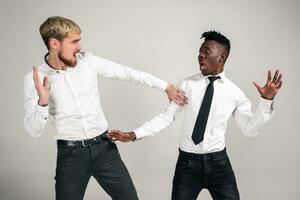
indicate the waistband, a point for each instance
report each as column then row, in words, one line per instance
column 83, row 143
column 194, row 156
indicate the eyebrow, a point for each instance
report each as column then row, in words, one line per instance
column 76, row 40
column 204, row 47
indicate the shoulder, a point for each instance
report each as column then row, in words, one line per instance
column 193, row 78
column 42, row 72
column 187, row 81
column 237, row 91
column 87, row 56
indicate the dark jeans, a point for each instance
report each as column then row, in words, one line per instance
column 210, row 171
column 75, row 166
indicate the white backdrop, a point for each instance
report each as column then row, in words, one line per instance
column 162, row 38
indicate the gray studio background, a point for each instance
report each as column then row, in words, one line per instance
column 162, row 38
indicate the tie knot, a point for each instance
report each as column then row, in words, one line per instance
column 213, row 78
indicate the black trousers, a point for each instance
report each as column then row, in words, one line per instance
column 211, row 171
column 75, row 166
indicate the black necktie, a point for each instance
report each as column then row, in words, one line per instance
column 201, row 121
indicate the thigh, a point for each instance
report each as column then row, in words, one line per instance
column 111, row 173
column 222, row 182
column 72, row 173
column 187, row 182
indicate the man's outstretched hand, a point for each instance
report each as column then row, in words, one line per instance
column 117, row 135
column 270, row 89
column 176, row 95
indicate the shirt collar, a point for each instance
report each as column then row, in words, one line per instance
column 51, row 68
column 221, row 75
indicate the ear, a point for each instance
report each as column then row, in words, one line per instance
column 222, row 58
column 54, row 44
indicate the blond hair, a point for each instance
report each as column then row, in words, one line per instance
column 58, row 28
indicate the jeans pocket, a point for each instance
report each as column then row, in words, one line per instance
column 182, row 163
column 65, row 151
column 220, row 160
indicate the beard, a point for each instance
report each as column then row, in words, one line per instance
column 67, row 62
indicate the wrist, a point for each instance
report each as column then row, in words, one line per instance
column 132, row 136
column 268, row 98
column 168, row 87
column 43, row 102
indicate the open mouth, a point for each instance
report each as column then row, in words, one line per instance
column 75, row 56
column 202, row 66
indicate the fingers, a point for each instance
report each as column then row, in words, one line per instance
column 36, row 77
column 45, row 83
column 115, row 131
column 275, row 76
column 179, row 91
column 278, row 79
column 257, row 85
column 177, row 95
column 180, row 100
column 180, row 97
column 269, row 76
column 279, row 85
column 115, row 134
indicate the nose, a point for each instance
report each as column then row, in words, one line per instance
column 201, row 55
column 78, row 48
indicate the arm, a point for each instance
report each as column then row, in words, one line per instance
column 109, row 69
column 149, row 128
column 249, row 123
column 36, row 97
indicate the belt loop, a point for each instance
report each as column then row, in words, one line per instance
column 213, row 156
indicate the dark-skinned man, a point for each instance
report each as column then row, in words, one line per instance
column 212, row 100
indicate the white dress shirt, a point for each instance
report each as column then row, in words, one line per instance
column 74, row 99
column 228, row 100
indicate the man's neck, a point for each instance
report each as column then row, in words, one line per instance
column 218, row 71
column 54, row 62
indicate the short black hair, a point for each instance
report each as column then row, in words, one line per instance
column 218, row 37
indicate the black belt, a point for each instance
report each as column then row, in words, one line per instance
column 196, row 156
column 87, row 142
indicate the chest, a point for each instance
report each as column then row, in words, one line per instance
column 72, row 86
column 224, row 100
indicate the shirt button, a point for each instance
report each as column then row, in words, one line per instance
column 57, row 72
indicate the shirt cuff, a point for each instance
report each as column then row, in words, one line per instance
column 163, row 85
column 42, row 111
column 266, row 105
column 140, row 133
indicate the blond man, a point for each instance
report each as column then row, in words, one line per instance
column 66, row 87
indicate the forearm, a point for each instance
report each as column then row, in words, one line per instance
column 35, row 105
column 250, row 124
column 36, row 120
column 159, row 122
